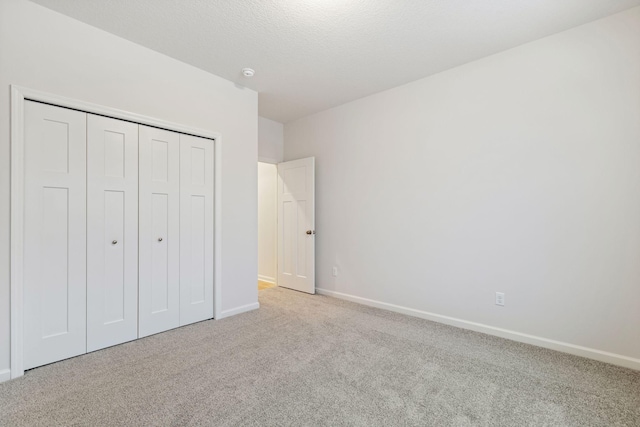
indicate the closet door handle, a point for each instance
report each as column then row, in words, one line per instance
column 159, row 239
column 115, row 242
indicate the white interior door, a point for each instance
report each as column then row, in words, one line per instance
column 196, row 229
column 159, row 230
column 296, row 225
column 54, row 234
column 112, row 232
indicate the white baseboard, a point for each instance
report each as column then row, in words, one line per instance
column 267, row 279
column 238, row 310
column 5, row 375
column 603, row 356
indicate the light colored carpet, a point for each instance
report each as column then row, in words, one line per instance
column 305, row 360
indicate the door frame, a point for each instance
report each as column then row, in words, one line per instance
column 18, row 95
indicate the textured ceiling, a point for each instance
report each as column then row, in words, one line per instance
column 310, row 55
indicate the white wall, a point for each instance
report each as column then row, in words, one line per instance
column 270, row 140
column 44, row 50
column 517, row 173
column 267, row 221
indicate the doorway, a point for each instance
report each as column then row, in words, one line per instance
column 286, row 225
column 267, row 225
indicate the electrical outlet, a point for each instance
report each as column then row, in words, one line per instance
column 334, row 271
column 499, row 298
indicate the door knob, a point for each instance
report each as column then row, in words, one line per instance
column 159, row 239
column 114, row 242
column 311, row 232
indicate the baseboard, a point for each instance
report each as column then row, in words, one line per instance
column 238, row 310
column 267, row 279
column 5, row 375
column 590, row 353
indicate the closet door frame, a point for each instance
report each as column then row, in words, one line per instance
column 18, row 96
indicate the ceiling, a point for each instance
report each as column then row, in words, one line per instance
column 310, row 55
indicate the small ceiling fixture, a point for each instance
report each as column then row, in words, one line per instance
column 248, row 72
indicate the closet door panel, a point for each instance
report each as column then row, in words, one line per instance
column 196, row 229
column 160, row 254
column 112, row 232
column 54, row 234
column 159, row 231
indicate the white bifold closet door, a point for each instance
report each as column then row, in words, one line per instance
column 54, row 234
column 176, row 230
column 159, row 231
column 118, row 232
column 196, row 229
column 112, row 232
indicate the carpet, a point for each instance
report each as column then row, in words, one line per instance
column 309, row 360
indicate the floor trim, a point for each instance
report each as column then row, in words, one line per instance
column 238, row 310
column 590, row 353
column 267, row 279
column 5, row 375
